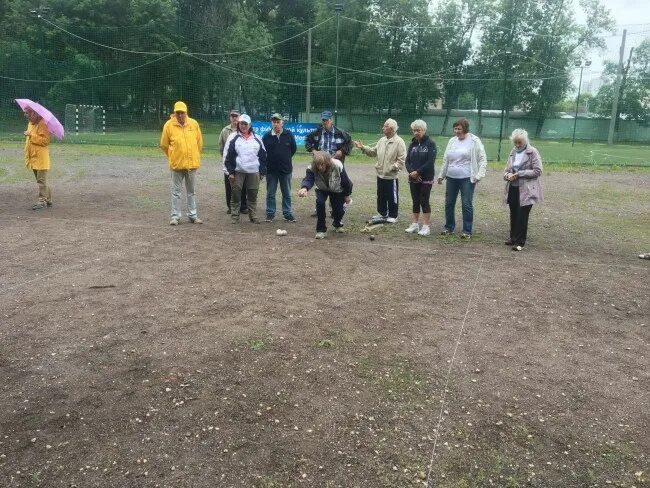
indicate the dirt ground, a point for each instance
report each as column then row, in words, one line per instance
column 135, row 354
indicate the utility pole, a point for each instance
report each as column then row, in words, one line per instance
column 308, row 95
column 622, row 90
column 612, row 122
column 582, row 66
column 506, row 67
column 338, row 8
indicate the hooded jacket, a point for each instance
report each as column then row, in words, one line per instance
column 182, row 144
column 334, row 180
column 37, row 153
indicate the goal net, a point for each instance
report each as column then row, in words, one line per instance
column 85, row 118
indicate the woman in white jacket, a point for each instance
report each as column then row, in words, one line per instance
column 463, row 166
column 245, row 162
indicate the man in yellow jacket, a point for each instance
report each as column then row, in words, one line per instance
column 37, row 156
column 182, row 142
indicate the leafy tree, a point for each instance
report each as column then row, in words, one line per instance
column 634, row 101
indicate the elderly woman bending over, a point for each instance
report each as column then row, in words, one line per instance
column 523, row 187
column 331, row 181
column 463, row 165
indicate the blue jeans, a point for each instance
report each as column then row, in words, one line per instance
column 466, row 188
column 272, row 181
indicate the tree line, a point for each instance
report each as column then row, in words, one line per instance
column 135, row 57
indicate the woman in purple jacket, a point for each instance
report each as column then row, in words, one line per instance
column 523, row 186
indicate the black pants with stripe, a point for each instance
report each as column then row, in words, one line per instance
column 387, row 197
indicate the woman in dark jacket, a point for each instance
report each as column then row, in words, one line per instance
column 420, row 158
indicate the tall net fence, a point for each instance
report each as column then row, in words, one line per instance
column 499, row 69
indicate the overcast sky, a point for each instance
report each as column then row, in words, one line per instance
column 633, row 15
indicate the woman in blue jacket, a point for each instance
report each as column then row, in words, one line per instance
column 420, row 158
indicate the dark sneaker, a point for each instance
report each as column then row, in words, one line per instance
column 517, row 248
column 446, row 232
column 243, row 211
column 269, row 218
column 509, row 242
column 289, row 218
column 49, row 204
column 466, row 236
column 228, row 212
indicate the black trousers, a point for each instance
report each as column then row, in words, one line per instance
column 518, row 217
column 244, row 200
column 387, row 197
column 420, row 193
column 336, row 201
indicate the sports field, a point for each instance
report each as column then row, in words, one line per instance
column 558, row 151
column 135, row 354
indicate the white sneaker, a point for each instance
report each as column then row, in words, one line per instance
column 424, row 231
column 321, row 235
column 413, row 228
column 391, row 220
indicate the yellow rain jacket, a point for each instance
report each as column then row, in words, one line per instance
column 37, row 153
column 182, row 145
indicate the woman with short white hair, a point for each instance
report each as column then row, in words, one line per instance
column 523, row 186
column 420, row 160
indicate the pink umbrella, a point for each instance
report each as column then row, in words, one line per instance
column 51, row 121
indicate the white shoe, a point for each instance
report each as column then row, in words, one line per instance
column 413, row 228
column 424, row 231
column 391, row 220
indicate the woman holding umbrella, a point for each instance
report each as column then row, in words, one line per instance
column 37, row 155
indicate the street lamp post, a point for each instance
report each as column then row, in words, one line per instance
column 503, row 100
column 578, row 64
column 338, row 8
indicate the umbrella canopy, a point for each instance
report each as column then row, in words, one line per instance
column 51, row 121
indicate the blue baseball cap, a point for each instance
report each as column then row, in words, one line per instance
column 326, row 115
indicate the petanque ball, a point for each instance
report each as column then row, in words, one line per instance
column 371, row 237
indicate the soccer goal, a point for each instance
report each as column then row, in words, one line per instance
column 85, row 118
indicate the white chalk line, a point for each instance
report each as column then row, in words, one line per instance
column 449, row 371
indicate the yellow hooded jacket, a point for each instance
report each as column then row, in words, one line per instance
column 182, row 145
column 37, row 154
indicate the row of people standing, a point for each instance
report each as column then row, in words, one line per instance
column 248, row 158
column 464, row 165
